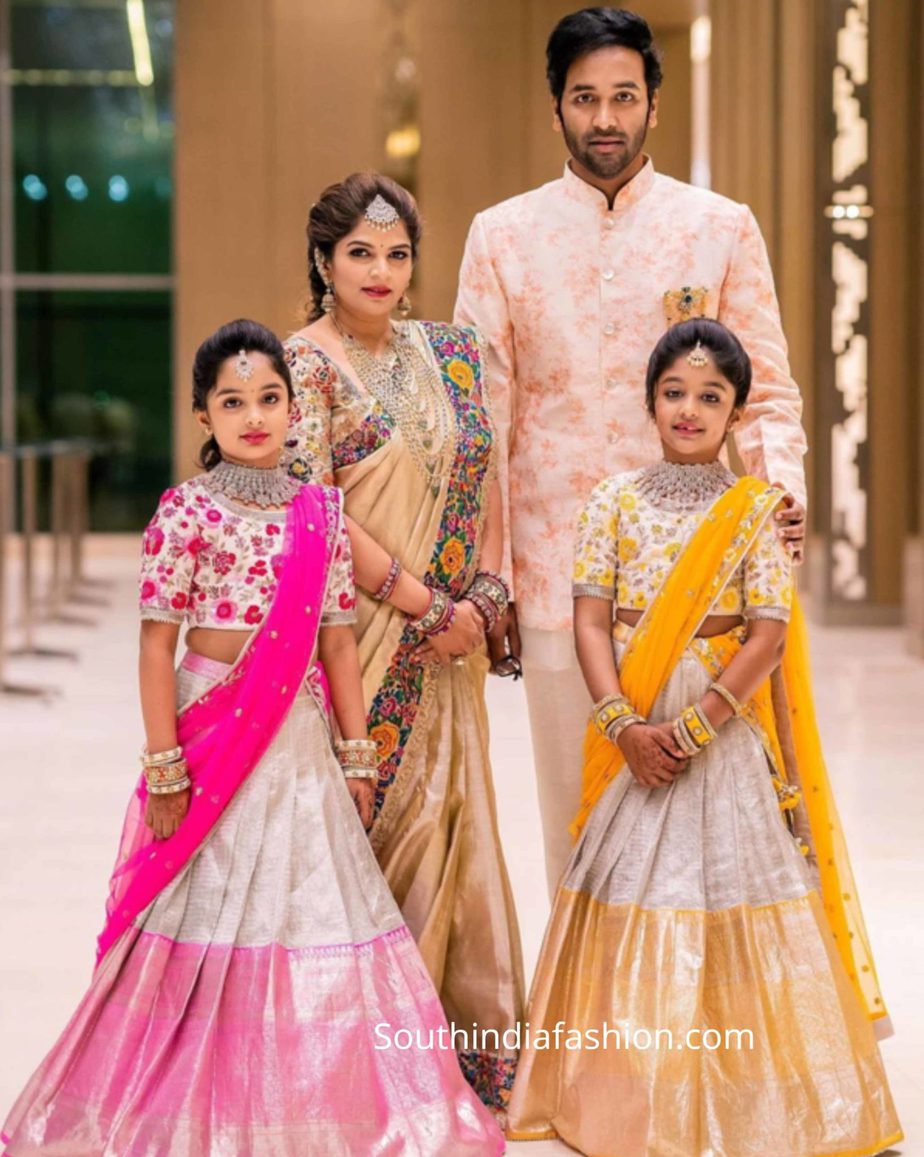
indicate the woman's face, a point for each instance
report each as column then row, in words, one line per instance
column 694, row 408
column 370, row 270
column 249, row 418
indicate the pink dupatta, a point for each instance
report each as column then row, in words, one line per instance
column 227, row 730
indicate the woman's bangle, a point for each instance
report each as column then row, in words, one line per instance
column 438, row 617
column 157, row 758
column 485, row 608
column 727, row 696
column 493, row 588
column 387, row 589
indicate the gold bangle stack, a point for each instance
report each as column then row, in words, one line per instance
column 693, row 731
column 165, row 772
column 727, row 696
column 358, row 758
column 613, row 714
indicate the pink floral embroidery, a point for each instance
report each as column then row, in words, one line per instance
column 219, row 568
column 225, row 610
column 153, row 540
column 223, row 561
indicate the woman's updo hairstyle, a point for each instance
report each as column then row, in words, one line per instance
column 339, row 210
column 727, row 352
column 225, row 343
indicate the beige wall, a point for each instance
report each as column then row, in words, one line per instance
column 270, row 109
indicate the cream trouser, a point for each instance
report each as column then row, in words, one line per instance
column 559, row 705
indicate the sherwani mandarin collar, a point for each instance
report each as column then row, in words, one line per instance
column 582, row 192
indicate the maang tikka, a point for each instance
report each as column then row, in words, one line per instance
column 697, row 356
column 243, row 366
column 380, row 214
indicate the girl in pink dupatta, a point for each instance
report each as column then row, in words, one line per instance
column 252, row 951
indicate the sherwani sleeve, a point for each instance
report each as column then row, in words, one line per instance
column 770, row 437
column 482, row 303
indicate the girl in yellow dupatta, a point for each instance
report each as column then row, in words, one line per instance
column 706, row 985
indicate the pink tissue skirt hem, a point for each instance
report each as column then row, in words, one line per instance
column 194, row 1049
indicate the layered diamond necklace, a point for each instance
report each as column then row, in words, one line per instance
column 406, row 385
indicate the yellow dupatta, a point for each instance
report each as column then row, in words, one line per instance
column 667, row 628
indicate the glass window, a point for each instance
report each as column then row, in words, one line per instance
column 90, row 92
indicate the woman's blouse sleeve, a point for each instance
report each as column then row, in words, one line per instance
column 768, row 581
column 308, row 444
column 595, row 555
column 168, row 560
column 340, row 600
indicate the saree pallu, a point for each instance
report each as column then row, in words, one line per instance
column 691, row 952
column 238, row 1015
column 435, row 833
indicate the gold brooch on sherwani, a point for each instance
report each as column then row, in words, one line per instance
column 682, row 304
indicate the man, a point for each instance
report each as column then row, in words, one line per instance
column 571, row 285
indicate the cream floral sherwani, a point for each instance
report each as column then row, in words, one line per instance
column 570, row 298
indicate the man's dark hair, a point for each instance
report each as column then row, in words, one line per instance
column 592, row 28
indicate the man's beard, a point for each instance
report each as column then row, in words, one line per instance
column 605, row 167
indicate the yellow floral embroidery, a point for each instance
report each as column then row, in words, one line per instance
column 452, row 556
column 627, row 501
column 461, row 374
column 730, row 600
column 627, row 549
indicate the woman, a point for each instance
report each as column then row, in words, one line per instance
column 707, row 917
column 251, row 947
column 394, row 413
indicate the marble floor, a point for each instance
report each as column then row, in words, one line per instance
column 67, row 763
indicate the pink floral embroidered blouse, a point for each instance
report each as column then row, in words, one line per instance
column 570, row 298
column 210, row 562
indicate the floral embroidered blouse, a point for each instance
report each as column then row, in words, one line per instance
column 210, row 562
column 627, row 543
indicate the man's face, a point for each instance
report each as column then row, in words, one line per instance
column 604, row 113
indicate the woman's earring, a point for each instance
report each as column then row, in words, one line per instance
column 327, row 301
column 404, row 305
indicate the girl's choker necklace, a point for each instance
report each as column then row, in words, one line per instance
column 674, row 486
column 252, row 485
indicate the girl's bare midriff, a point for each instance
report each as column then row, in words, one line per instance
column 223, row 646
column 713, row 625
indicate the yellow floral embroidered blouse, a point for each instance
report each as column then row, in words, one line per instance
column 631, row 531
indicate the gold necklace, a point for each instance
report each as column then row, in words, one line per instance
column 411, row 390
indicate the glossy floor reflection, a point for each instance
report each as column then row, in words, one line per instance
column 68, row 765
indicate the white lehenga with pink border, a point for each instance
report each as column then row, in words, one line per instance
column 238, row 1014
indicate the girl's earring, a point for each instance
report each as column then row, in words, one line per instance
column 404, row 305
column 327, row 301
